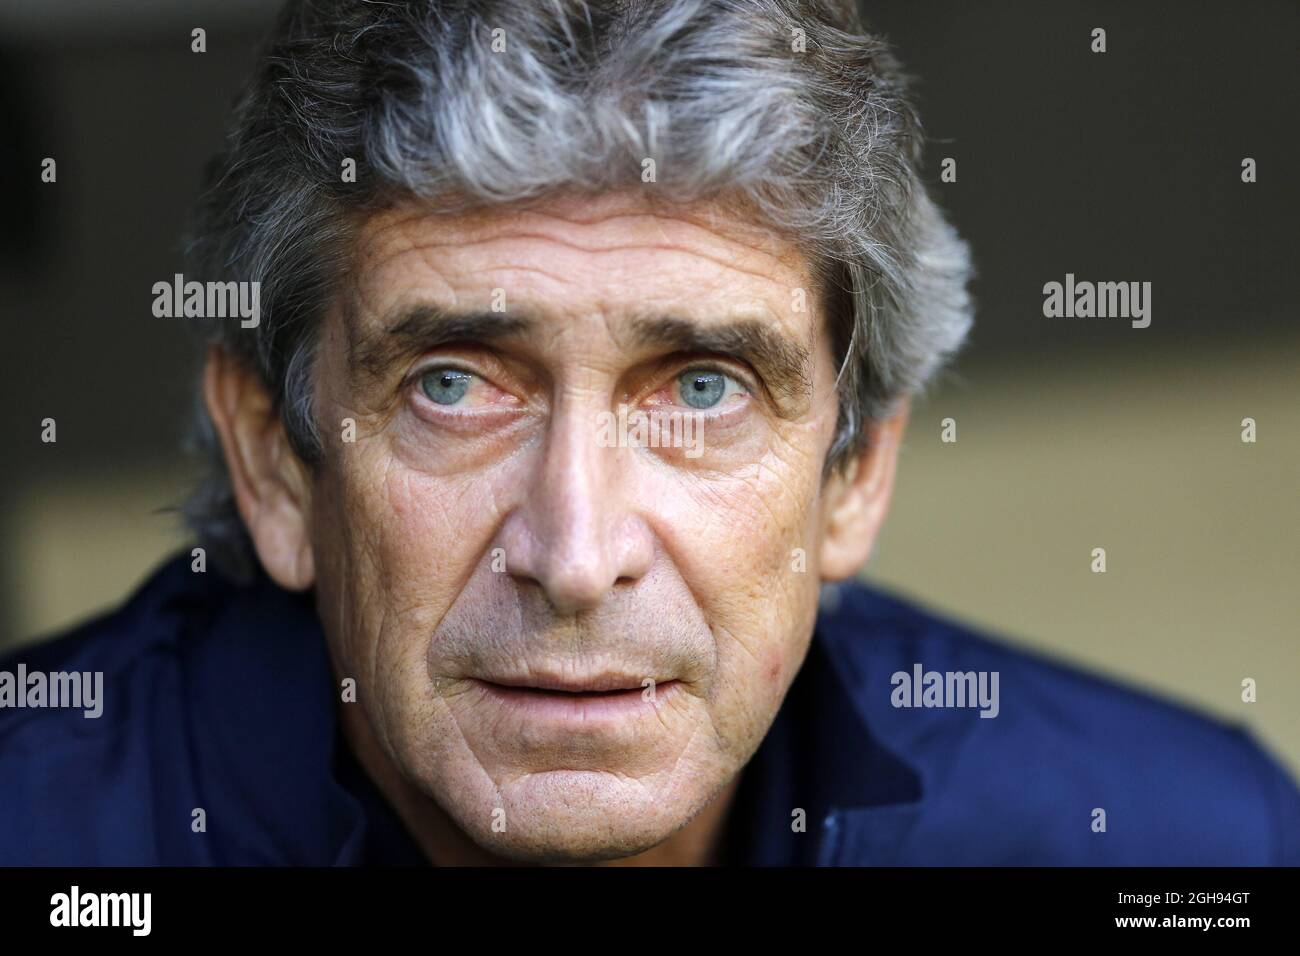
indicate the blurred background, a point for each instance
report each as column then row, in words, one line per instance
column 1072, row 434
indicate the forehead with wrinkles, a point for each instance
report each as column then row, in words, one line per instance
column 695, row 277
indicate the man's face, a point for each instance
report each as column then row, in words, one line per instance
column 571, row 639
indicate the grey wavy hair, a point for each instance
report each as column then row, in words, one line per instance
column 789, row 104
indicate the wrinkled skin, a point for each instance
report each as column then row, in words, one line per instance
column 455, row 546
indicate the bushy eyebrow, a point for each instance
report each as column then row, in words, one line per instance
column 782, row 363
column 416, row 329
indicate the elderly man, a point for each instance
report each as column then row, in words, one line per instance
column 585, row 341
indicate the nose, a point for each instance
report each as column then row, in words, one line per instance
column 576, row 533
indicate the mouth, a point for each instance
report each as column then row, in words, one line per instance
column 595, row 684
column 594, row 699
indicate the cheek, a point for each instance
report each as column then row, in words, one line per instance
column 774, row 669
column 398, row 544
column 428, row 534
column 735, row 542
column 744, row 544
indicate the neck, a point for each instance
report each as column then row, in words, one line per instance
column 443, row 843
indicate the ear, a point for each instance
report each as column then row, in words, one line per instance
column 857, row 499
column 272, row 486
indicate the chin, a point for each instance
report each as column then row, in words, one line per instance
column 573, row 816
column 574, row 849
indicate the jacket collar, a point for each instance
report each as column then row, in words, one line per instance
column 260, row 704
column 821, row 756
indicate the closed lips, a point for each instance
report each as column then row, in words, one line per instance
column 600, row 685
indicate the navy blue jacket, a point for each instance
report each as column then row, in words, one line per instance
column 220, row 697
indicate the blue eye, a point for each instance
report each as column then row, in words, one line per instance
column 446, row 386
column 702, row 388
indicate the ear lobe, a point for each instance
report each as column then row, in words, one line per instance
column 271, row 485
column 857, row 499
